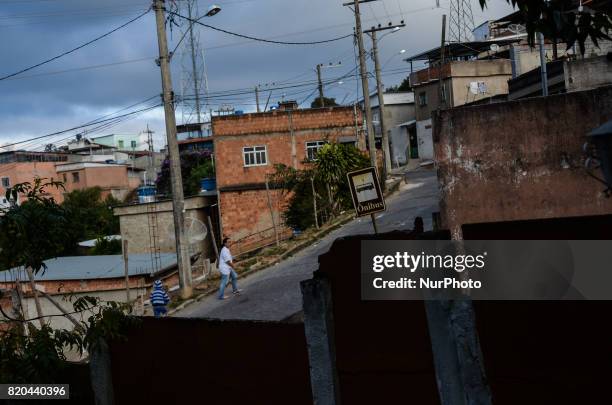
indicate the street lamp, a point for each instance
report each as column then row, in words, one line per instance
column 393, row 56
column 212, row 10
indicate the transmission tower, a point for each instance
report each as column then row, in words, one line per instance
column 461, row 21
column 194, row 80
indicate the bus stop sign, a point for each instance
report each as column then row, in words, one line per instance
column 365, row 190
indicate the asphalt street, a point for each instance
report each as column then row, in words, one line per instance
column 274, row 293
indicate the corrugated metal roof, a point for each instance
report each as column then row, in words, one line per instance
column 95, row 267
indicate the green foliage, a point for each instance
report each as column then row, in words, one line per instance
column 199, row 172
column 106, row 246
column 199, row 161
column 34, row 230
column 328, row 174
column 403, row 86
column 39, row 355
column 36, row 357
column 29, row 234
column 89, row 216
column 560, row 20
column 329, row 102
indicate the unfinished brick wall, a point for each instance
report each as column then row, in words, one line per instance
column 244, row 204
column 520, row 160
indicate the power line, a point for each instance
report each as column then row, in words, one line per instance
column 259, row 39
column 75, row 49
column 78, row 127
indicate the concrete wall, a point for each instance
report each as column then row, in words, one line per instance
column 520, row 160
column 136, row 222
column 588, row 74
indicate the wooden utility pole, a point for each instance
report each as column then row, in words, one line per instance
column 39, row 311
column 381, row 102
column 178, row 202
column 314, row 202
column 126, row 268
column 271, row 212
column 257, row 98
column 441, row 94
column 321, row 99
column 365, row 87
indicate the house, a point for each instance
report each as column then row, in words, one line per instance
column 246, row 149
column 400, row 123
column 195, row 137
column 465, row 79
column 23, row 166
column 114, row 179
column 71, row 277
column 123, row 141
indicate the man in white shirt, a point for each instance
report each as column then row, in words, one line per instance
column 226, row 268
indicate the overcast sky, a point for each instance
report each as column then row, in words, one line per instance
column 119, row 70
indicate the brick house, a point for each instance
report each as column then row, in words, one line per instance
column 114, row 179
column 246, row 149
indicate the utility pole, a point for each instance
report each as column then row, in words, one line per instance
column 441, row 93
column 321, row 99
column 194, row 70
column 365, row 87
column 543, row 72
column 257, row 97
column 381, row 101
column 126, row 269
column 178, row 203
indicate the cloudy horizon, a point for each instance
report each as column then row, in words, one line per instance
column 120, row 70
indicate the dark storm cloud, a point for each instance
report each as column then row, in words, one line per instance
column 40, row 102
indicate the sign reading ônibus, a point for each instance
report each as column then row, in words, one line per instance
column 365, row 190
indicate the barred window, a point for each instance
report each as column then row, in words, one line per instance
column 255, row 155
column 312, row 148
column 6, row 183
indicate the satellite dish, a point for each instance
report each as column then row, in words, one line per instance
column 195, row 230
column 494, row 47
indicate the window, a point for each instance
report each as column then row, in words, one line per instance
column 255, row 156
column 312, row 148
column 64, row 178
column 120, row 143
column 75, row 177
column 422, row 98
column 133, row 144
column 6, row 183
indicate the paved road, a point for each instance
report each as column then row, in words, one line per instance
column 274, row 293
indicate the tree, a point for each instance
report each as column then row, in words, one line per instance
column 89, row 216
column 29, row 234
column 196, row 162
column 328, row 176
column 403, row 86
column 561, row 20
column 33, row 231
column 329, row 102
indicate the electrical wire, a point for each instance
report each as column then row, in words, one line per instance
column 77, row 48
column 259, row 39
column 77, row 127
